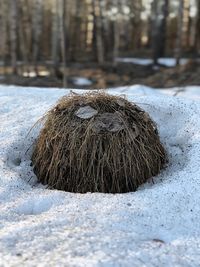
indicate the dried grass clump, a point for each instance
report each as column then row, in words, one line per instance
column 97, row 143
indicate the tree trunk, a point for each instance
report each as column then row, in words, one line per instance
column 163, row 28
column 63, row 40
column 37, row 31
column 116, row 41
column 98, row 31
column 22, row 40
column 197, row 30
column 55, row 38
column 13, row 35
column 3, row 32
column 155, row 31
column 116, row 33
column 25, row 32
column 178, row 51
column 160, row 14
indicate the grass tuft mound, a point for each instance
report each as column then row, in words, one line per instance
column 97, row 143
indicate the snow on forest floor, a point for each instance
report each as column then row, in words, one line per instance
column 168, row 62
column 158, row 225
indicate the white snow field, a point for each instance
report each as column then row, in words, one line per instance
column 158, row 225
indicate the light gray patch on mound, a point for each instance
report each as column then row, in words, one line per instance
column 86, row 112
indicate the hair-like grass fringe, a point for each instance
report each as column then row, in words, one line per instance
column 81, row 155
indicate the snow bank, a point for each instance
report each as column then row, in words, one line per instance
column 159, row 225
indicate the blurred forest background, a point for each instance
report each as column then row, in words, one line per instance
column 99, row 43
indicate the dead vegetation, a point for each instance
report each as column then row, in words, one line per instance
column 180, row 76
column 97, row 143
column 106, row 76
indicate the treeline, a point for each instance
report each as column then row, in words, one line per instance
column 54, row 31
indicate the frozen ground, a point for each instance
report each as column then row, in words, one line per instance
column 159, row 225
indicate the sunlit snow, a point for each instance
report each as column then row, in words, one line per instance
column 158, row 225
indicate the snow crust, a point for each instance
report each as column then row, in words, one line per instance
column 159, row 225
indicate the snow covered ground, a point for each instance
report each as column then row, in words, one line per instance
column 81, row 81
column 159, row 225
column 168, row 62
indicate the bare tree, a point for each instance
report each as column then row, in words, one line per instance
column 197, row 28
column 98, row 30
column 25, row 33
column 63, row 39
column 187, row 23
column 13, row 34
column 55, row 37
column 3, row 32
column 159, row 15
column 178, row 51
column 37, row 31
column 163, row 27
column 22, row 41
column 116, row 32
column 76, row 30
column 136, row 24
column 155, row 30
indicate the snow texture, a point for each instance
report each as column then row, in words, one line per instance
column 158, row 225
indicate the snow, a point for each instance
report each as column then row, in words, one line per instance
column 168, row 62
column 191, row 92
column 171, row 62
column 139, row 61
column 81, row 81
column 158, row 225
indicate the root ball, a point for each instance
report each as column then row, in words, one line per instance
column 97, row 143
